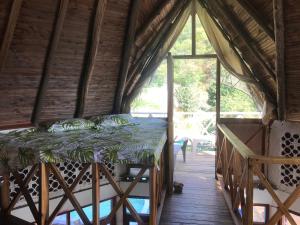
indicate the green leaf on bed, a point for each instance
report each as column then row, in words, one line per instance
column 111, row 153
column 26, row 156
column 47, row 155
column 82, row 154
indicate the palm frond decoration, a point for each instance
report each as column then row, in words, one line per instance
column 47, row 155
column 82, row 154
column 111, row 153
column 26, row 156
column 4, row 159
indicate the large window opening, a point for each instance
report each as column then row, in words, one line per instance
column 195, row 68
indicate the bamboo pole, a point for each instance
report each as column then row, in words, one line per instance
column 10, row 30
column 170, row 83
column 90, row 59
column 130, row 38
column 53, row 45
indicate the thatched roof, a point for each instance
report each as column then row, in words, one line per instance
column 27, row 33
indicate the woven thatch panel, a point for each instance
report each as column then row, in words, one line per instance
column 104, row 82
column 292, row 58
column 23, row 68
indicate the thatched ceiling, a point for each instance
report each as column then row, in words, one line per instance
column 249, row 24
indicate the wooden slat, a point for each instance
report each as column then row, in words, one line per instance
column 43, row 194
column 278, row 8
column 170, row 81
column 54, row 40
column 152, row 195
column 9, row 32
column 249, row 194
column 236, row 142
column 5, row 193
column 257, row 17
column 117, row 188
column 238, row 28
column 269, row 187
column 130, row 38
column 276, row 160
column 26, row 182
column 96, row 193
column 27, row 196
column 92, row 50
column 69, row 194
column 287, row 204
column 156, row 14
column 65, row 197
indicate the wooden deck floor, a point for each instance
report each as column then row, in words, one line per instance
column 201, row 201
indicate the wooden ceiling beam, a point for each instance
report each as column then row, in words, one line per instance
column 130, row 39
column 138, row 66
column 9, row 31
column 239, row 29
column 91, row 55
column 143, row 29
column 257, row 78
column 278, row 9
column 257, row 17
column 53, row 44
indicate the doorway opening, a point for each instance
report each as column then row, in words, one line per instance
column 195, row 66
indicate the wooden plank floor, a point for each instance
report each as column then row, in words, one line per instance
column 201, row 202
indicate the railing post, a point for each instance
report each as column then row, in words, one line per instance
column 4, row 189
column 249, row 193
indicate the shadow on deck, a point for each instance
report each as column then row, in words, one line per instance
column 202, row 201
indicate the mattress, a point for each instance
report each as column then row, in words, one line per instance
column 139, row 142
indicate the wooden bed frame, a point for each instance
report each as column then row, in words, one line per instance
column 41, row 215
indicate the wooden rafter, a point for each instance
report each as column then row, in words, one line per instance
column 54, row 40
column 239, row 29
column 130, row 38
column 91, row 55
column 9, row 32
column 257, row 78
column 138, row 66
column 157, row 13
column 257, row 17
column 278, row 9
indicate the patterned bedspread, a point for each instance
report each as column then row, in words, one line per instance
column 140, row 142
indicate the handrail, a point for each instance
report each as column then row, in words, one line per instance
column 251, row 165
column 239, row 146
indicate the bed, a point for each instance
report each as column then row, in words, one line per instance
column 116, row 138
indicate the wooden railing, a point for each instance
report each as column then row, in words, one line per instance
column 40, row 210
column 236, row 167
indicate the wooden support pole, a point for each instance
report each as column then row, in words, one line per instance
column 53, row 44
column 9, row 31
column 153, row 195
column 43, row 194
column 194, row 28
column 91, row 55
column 249, row 194
column 278, row 9
column 5, row 193
column 238, row 28
column 96, row 193
column 130, row 38
column 218, row 111
column 170, row 160
column 257, row 17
